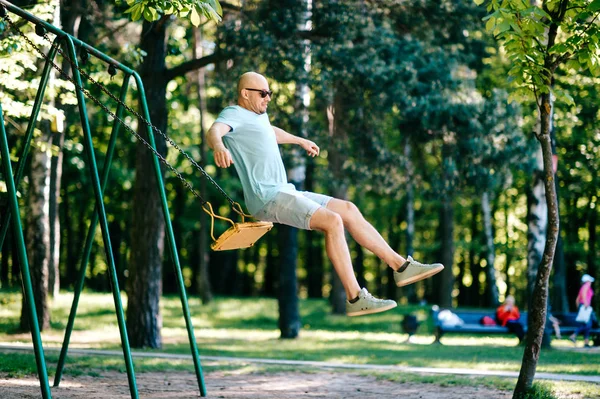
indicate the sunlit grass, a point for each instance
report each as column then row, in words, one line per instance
column 247, row 327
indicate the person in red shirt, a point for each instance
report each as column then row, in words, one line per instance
column 508, row 316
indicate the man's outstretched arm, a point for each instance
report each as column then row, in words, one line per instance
column 284, row 137
column 214, row 138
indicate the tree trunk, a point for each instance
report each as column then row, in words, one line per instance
column 55, row 182
column 56, row 167
column 202, row 277
column 169, row 278
column 537, row 222
column 444, row 282
column 490, row 270
column 474, row 261
column 509, row 248
column 38, row 227
column 68, row 243
column 5, row 280
column 272, row 267
column 559, row 298
column 289, row 313
column 409, row 290
column 314, row 251
column 144, row 285
column 338, row 139
column 592, row 240
column 539, row 298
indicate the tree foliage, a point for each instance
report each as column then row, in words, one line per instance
column 152, row 10
column 520, row 27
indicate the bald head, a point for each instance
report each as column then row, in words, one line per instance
column 251, row 80
column 253, row 92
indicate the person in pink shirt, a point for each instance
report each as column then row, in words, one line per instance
column 584, row 299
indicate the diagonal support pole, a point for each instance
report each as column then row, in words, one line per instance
column 89, row 149
column 90, row 236
column 171, row 241
column 25, row 274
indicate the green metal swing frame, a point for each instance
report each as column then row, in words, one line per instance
column 99, row 184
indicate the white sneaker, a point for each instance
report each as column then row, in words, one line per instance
column 413, row 271
column 368, row 304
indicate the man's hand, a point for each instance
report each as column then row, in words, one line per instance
column 222, row 156
column 311, row 148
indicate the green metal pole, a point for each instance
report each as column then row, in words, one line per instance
column 171, row 240
column 89, row 148
column 90, row 236
column 25, row 275
column 37, row 104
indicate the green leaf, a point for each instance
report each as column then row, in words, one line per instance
column 478, row 2
column 594, row 6
column 135, row 11
column 147, row 15
column 215, row 5
column 559, row 48
column 502, row 27
column 195, row 17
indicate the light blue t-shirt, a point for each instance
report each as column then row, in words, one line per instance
column 256, row 155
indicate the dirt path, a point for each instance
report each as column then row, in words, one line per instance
column 219, row 384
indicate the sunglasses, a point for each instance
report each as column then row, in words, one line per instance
column 263, row 93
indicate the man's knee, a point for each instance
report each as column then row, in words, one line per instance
column 345, row 208
column 350, row 212
column 326, row 220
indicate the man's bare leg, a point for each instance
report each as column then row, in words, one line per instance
column 364, row 233
column 332, row 225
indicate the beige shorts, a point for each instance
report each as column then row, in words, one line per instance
column 293, row 208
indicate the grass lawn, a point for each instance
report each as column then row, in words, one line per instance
column 248, row 328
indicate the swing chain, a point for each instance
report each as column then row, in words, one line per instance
column 235, row 206
column 105, row 108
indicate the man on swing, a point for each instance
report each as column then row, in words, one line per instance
column 243, row 136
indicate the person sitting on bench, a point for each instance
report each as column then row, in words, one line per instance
column 508, row 316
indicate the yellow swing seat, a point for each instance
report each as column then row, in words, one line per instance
column 239, row 235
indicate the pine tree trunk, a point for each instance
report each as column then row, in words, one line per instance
column 55, row 238
column 289, row 312
column 444, row 281
column 270, row 288
column 490, row 270
column 314, row 252
column 202, row 277
column 409, row 290
column 338, row 139
column 5, row 264
column 56, row 168
column 474, row 268
column 592, row 242
column 38, row 227
column 144, row 285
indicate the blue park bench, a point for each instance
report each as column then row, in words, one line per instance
column 472, row 324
